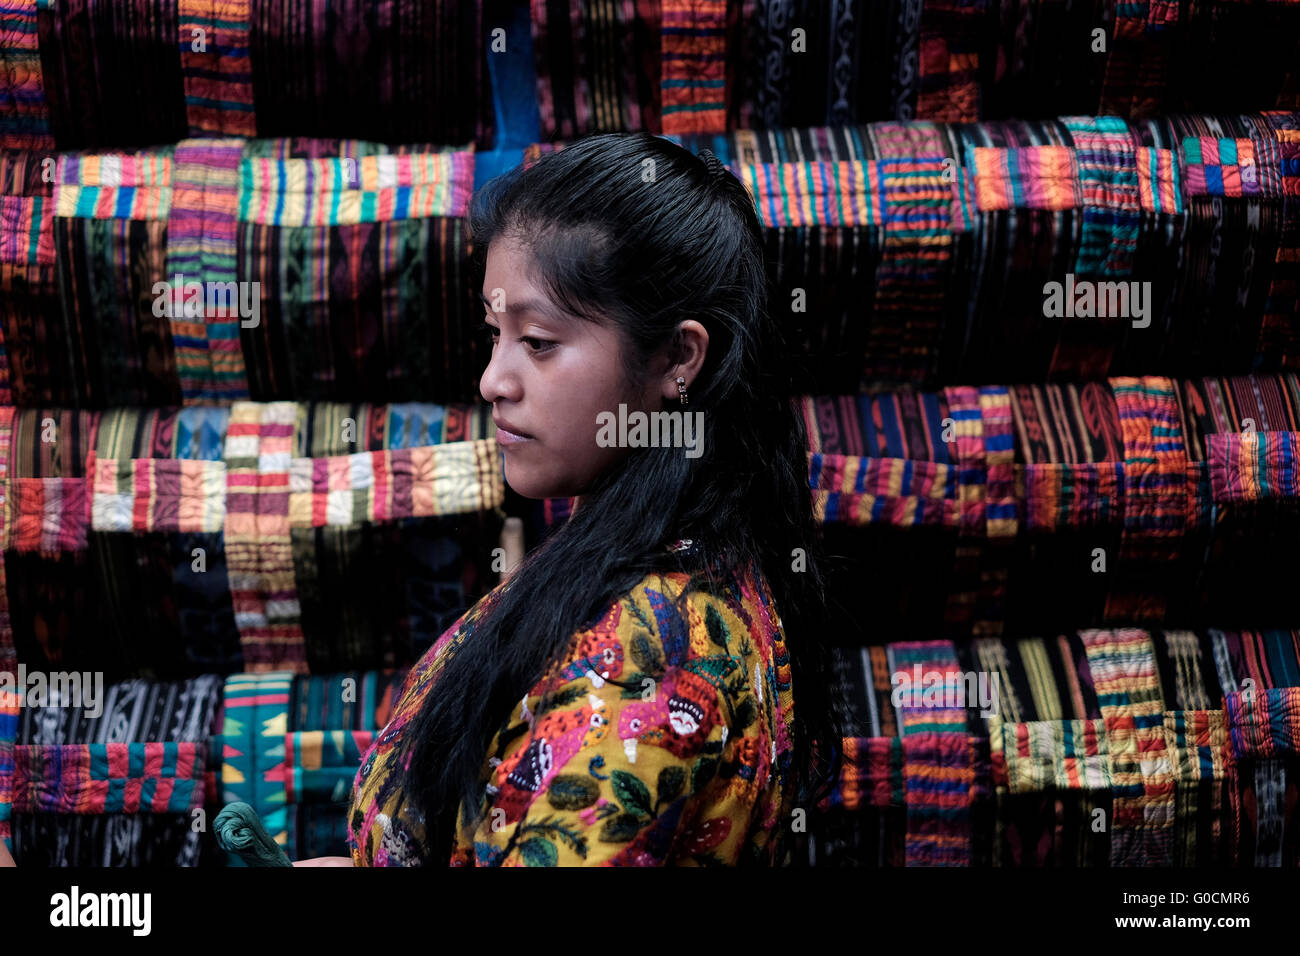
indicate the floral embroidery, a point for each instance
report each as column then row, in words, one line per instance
column 667, row 742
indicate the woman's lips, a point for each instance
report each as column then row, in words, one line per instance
column 510, row 438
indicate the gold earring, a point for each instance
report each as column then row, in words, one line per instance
column 681, row 390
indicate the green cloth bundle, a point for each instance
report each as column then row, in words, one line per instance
column 239, row 830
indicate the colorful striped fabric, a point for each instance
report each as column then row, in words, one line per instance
column 949, row 44
column 26, row 208
column 968, row 451
column 113, row 185
column 255, row 727
column 1198, row 745
column 8, row 657
column 1279, row 332
column 899, row 424
column 332, row 192
column 1155, row 457
column 216, row 68
column 259, row 557
column 1253, row 466
column 693, row 75
column 938, row 763
column 24, row 111
column 362, row 309
column 1001, row 507
column 1105, row 151
column 1034, row 177
column 609, row 75
column 218, row 481
column 816, row 194
column 158, row 494
column 1266, row 658
column 1066, row 424
column 47, row 514
column 346, row 700
column 854, row 490
column 1039, row 681
column 400, row 483
column 1124, row 671
column 1159, row 186
column 151, row 743
column 1222, row 166
column 916, row 251
column 201, row 248
column 109, row 778
column 1083, row 494
column 1239, row 403
column 1063, row 754
column 1265, row 722
column 871, row 774
column 330, row 429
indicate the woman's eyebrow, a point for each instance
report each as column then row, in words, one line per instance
column 529, row 305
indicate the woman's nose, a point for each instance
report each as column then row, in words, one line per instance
column 499, row 382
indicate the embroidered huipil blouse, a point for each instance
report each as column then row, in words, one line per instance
column 667, row 743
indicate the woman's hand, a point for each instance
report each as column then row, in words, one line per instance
column 322, row 861
column 5, row 858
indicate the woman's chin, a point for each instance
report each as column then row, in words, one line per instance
column 527, row 485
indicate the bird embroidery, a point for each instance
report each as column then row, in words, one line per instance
column 679, row 718
column 556, row 737
column 600, row 652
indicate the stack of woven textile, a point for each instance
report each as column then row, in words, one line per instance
column 205, row 534
column 270, row 538
column 922, row 253
column 132, row 781
column 1106, row 747
column 176, row 541
column 714, row 66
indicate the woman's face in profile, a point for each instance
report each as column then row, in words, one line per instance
column 549, row 377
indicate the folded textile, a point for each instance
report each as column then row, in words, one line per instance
column 1255, row 466
column 400, row 483
column 871, row 775
column 109, row 778
column 1066, row 754
column 1264, row 722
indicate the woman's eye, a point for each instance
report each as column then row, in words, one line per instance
column 535, row 345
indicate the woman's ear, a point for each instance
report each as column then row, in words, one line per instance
column 690, row 346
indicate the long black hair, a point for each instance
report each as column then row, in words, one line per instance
column 632, row 229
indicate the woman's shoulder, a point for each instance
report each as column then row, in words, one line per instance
column 676, row 701
column 717, row 632
column 699, row 610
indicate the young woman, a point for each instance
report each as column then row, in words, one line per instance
column 650, row 686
